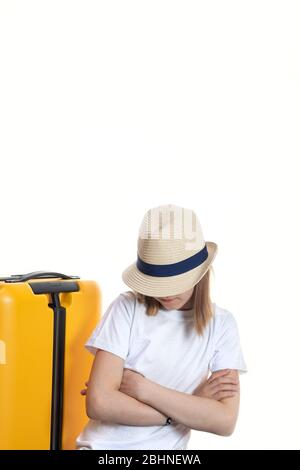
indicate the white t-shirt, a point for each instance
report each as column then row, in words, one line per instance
column 166, row 349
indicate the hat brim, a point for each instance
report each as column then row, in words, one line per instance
column 164, row 286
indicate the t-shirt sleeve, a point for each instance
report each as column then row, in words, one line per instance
column 227, row 353
column 113, row 330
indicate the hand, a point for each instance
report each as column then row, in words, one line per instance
column 219, row 385
column 133, row 384
column 130, row 384
column 83, row 391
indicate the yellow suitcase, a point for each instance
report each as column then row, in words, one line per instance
column 45, row 319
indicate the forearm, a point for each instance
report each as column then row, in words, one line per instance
column 203, row 414
column 117, row 407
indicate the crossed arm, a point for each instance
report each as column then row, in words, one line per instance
column 126, row 397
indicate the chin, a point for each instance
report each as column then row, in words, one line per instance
column 172, row 306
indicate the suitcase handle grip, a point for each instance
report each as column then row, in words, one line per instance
column 39, row 275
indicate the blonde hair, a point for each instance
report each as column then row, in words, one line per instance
column 203, row 308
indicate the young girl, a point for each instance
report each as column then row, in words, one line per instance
column 157, row 344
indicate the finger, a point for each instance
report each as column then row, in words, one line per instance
column 221, row 383
column 225, row 387
column 218, row 373
column 221, row 395
column 224, row 379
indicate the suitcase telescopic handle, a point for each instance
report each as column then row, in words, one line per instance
column 39, row 275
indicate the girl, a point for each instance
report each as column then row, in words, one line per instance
column 157, row 343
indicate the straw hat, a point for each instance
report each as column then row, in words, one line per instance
column 172, row 254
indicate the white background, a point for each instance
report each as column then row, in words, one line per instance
column 109, row 108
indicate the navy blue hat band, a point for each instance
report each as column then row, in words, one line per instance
column 162, row 270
